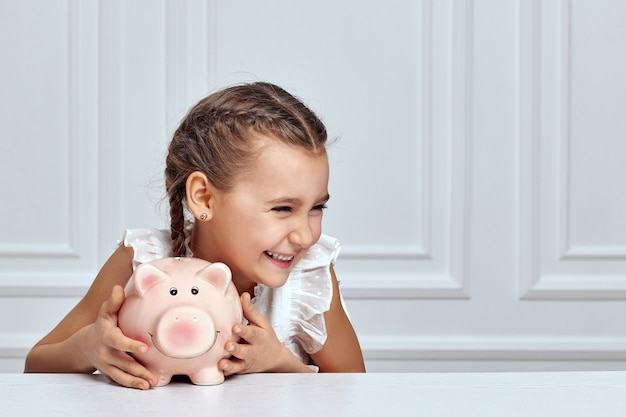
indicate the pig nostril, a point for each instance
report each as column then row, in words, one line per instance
column 176, row 318
column 195, row 318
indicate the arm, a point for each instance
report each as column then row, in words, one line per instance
column 261, row 351
column 341, row 352
column 88, row 337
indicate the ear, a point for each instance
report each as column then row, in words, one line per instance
column 147, row 276
column 216, row 274
column 200, row 193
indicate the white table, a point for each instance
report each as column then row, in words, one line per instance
column 588, row 394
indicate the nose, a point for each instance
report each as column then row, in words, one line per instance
column 302, row 233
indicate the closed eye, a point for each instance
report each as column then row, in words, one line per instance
column 320, row 207
column 282, row 209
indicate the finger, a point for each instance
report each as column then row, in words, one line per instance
column 125, row 370
column 231, row 366
column 113, row 304
column 127, row 380
column 251, row 313
column 117, row 339
column 238, row 350
column 123, row 343
column 248, row 333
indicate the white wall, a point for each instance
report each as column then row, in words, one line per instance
column 477, row 184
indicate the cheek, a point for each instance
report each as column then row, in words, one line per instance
column 316, row 227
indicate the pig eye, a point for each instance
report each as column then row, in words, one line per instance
column 195, row 290
column 173, row 291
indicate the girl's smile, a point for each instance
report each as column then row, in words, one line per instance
column 273, row 214
column 281, row 260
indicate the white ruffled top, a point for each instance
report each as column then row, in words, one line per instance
column 295, row 310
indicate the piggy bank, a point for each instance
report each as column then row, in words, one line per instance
column 184, row 310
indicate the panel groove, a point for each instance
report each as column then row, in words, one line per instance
column 110, row 120
column 454, row 283
column 569, row 251
column 70, row 248
column 536, row 281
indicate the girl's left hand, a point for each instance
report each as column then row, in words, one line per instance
column 259, row 350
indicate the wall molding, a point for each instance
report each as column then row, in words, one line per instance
column 568, row 250
column 38, row 251
column 493, row 348
column 461, row 130
column 385, row 252
column 591, row 253
column 77, row 55
column 401, row 286
column 546, row 85
column 111, row 111
column 577, row 287
column 35, row 285
column 453, row 283
column 16, row 346
column 190, row 45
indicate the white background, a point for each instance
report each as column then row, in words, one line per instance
column 478, row 180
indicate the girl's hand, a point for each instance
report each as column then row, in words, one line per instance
column 107, row 347
column 259, row 349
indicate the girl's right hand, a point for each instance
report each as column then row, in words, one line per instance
column 108, row 348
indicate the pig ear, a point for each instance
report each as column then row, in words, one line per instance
column 216, row 274
column 147, row 276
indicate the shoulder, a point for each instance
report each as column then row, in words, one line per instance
column 321, row 255
column 147, row 244
column 311, row 279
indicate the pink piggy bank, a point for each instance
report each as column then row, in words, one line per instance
column 184, row 310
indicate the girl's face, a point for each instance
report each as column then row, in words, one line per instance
column 264, row 225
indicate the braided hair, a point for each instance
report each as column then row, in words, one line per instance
column 217, row 138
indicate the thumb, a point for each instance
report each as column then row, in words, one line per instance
column 250, row 312
column 113, row 304
column 111, row 309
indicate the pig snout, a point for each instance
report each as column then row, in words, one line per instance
column 184, row 332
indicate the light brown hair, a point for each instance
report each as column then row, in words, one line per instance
column 217, row 138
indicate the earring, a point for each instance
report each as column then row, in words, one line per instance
column 203, row 216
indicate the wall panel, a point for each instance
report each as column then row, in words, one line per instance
column 476, row 169
column 571, row 230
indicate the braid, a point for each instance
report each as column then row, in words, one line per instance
column 177, row 227
column 217, row 138
column 175, row 184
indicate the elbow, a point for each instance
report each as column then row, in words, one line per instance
column 29, row 362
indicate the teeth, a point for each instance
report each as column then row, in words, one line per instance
column 279, row 257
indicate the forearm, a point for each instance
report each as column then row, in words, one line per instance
column 67, row 356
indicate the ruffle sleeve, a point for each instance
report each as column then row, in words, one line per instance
column 297, row 309
column 148, row 244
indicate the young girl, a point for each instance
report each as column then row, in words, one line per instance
column 247, row 177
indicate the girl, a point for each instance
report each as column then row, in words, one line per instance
column 247, row 176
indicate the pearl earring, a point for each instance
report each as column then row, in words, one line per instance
column 203, row 216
